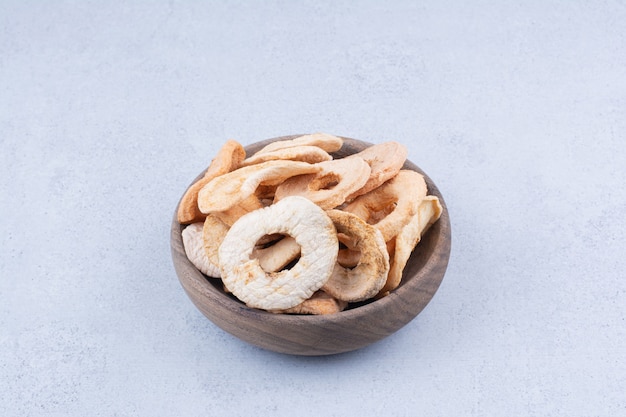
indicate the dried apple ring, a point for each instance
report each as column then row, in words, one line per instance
column 228, row 190
column 304, row 153
column 385, row 160
column 229, row 158
column 327, row 142
column 428, row 213
column 319, row 303
column 329, row 187
column 194, row 249
column 245, row 206
column 213, row 233
column 367, row 278
column 391, row 206
column 296, row 217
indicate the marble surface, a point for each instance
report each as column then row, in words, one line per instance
column 517, row 111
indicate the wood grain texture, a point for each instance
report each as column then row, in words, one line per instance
column 324, row 335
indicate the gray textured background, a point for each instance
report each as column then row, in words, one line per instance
column 517, row 111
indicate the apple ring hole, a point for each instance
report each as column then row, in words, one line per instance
column 276, row 252
column 325, row 182
column 377, row 216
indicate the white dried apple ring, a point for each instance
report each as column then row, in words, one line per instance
column 391, row 206
column 319, row 303
column 305, row 153
column 366, row 279
column 329, row 187
column 385, row 160
column 229, row 158
column 296, row 217
column 428, row 213
column 327, row 142
column 194, row 249
column 228, row 190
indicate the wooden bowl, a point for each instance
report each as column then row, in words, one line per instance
column 351, row 329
